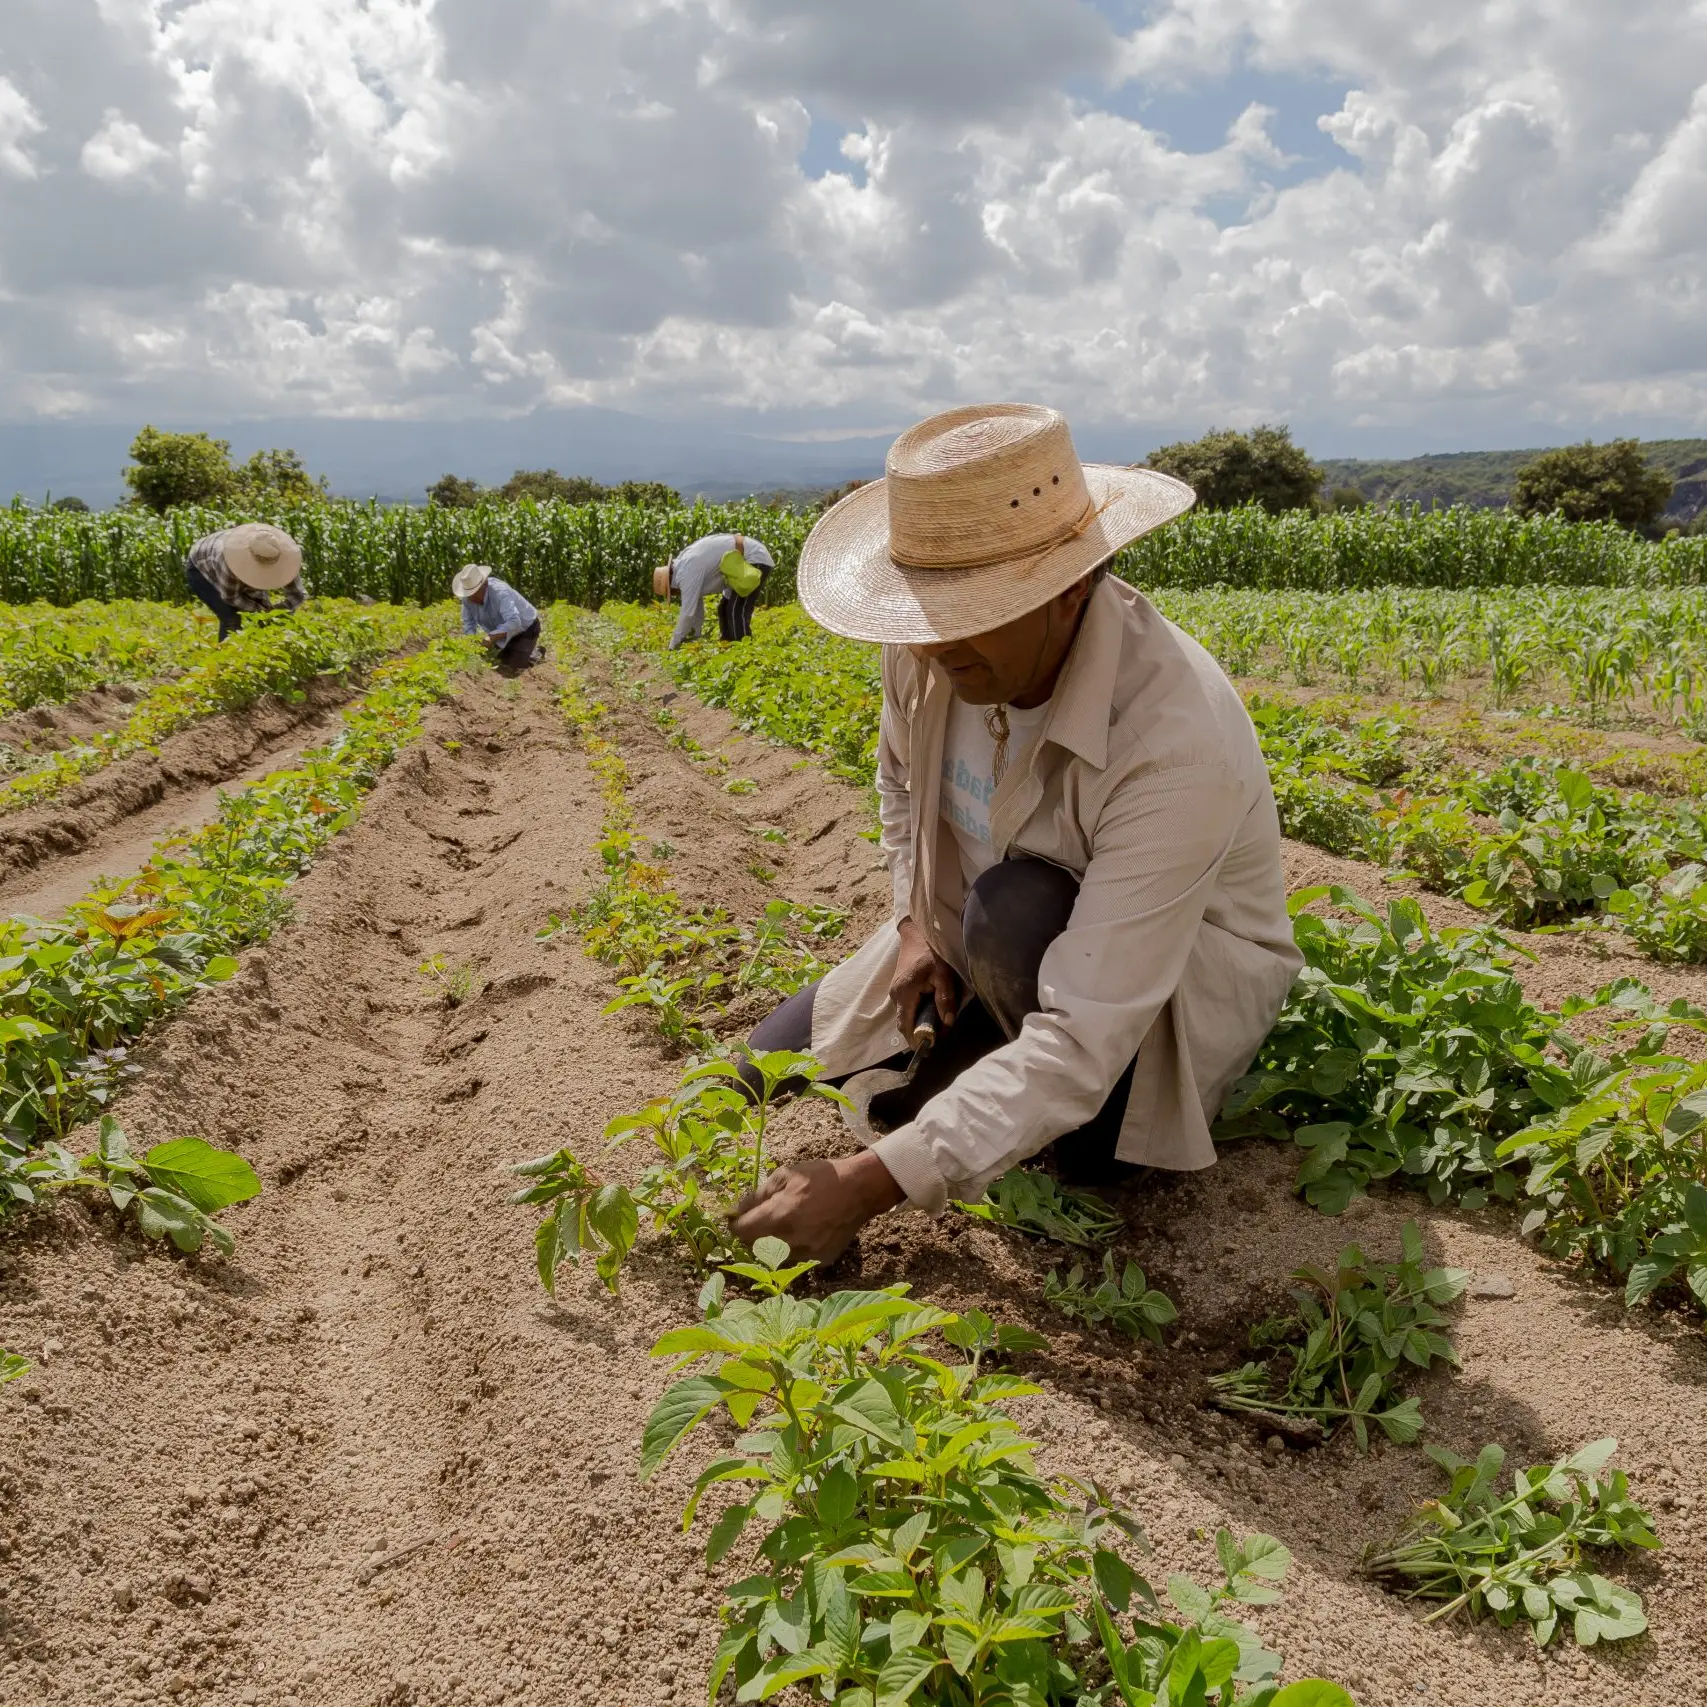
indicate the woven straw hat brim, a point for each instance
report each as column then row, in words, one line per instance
column 469, row 579
column 849, row 583
column 264, row 575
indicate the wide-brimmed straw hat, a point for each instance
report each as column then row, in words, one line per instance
column 661, row 581
column 984, row 513
column 469, row 579
column 262, row 556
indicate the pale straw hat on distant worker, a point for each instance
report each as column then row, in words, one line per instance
column 469, row 579
column 661, row 581
column 984, row 513
column 262, row 556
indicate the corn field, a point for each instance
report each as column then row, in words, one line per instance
column 590, row 553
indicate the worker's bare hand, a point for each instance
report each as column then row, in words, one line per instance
column 816, row 1208
column 920, row 970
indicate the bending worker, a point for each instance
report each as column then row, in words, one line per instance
column 495, row 611
column 1078, row 823
column 237, row 571
column 727, row 563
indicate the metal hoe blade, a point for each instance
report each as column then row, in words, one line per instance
column 874, row 1081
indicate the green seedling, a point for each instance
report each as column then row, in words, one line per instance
column 1520, row 1556
column 174, row 1190
column 708, row 1138
column 1033, row 1202
column 1122, row 1300
column 770, row 833
column 1340, row 1355
column 740, row 785
column 456, row 981
column 12, row 1366
column 1208, row 1655
column 761, row 872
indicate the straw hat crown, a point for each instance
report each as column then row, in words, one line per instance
column 984, row 513
column 984, row 485
column 262, row 556
column 469, row 579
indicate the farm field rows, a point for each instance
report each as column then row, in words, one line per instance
column 372, row 1462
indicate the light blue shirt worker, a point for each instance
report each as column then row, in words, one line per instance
column 502, row 614
column 696, row 575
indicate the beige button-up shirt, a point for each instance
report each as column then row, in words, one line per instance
column 1146, row 783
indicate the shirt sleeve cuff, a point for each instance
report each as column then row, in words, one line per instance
column 908, row 1158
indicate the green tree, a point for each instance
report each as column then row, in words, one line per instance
column 654, row 494
column 1226, row 468
column 1593, row 483
column 542, row 484
column 179, row 468
column 452, row 492
column 278, row 475
column 69, row 503
column 1346, row 498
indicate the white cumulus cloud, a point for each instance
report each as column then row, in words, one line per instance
column 1448, row 221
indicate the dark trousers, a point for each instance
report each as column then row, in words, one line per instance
column 202, row 588
column 517, row 652
column 1013, row 913
column 735, row 611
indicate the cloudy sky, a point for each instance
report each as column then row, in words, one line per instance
column 1401, row 225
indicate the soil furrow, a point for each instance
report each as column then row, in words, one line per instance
column 102, row 815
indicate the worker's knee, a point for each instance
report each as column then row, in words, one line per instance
column 1012, row 914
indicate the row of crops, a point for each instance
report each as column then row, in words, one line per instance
column 591, row 553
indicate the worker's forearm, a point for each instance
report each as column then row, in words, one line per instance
column 872, row 1185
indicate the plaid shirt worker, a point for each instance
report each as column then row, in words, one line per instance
column 207, row 558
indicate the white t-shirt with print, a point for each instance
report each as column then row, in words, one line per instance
column 969, row 775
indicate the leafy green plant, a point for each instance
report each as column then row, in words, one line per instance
column 175, row 1189
column 12, row 1366
column 1520, row 1556
column 1123, row 1300
column 1033, row 1202
column 708, row 1137
column 1211, row 1656
column 910, row 1548
column 1340, row 1354
column 1618, row 1179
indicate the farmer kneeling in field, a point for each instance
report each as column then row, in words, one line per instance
column 495, row 611
column 1079, row 827
column 238, row 570
column 727, row 563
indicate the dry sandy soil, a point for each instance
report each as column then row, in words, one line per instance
column 366, row 1462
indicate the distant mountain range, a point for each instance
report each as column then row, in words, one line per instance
column 1484, row 478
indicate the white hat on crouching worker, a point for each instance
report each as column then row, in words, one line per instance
column 470, row 578
column 984, row 513
column 262, row 556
